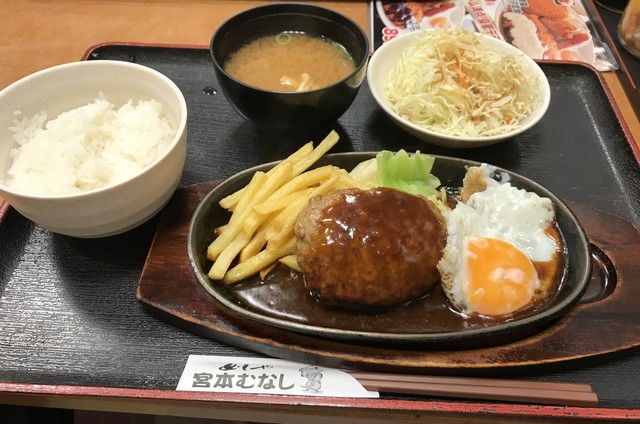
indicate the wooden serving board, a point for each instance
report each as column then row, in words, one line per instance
column 606, row 321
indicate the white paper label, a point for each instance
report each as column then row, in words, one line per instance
column 231, row 374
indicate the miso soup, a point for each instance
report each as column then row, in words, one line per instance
column 290, row 62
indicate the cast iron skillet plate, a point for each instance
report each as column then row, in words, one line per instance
column 282, row 301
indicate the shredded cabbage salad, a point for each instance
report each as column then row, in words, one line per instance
column 451, row 83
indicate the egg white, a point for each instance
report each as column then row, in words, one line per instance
column 500, row 211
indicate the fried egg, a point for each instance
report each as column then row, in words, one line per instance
column 493, row 239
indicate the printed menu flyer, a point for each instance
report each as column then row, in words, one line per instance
column 543, row 29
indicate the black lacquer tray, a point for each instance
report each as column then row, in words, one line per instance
column 68, row 308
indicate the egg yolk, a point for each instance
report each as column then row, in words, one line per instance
column 500, row 278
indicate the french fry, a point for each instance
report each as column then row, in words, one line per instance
column 345, row 181
column 291, row 261
column 258, row 241
column 302, row 159
column 231, row 200
column 235, row 225
column 278, row 204
column 279, row 221
column 254, row 264
column 289, row 216
column 298, row 201
column 325, row 145
column 273, row 180
column 265, row 271
column 226, row 257
column 277, row 179
column 260, row 231
column 307, row 179
column 260, row 187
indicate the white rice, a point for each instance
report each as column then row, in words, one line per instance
column 86, row 148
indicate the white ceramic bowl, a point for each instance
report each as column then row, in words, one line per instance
column 112, row 209
column 386, row 57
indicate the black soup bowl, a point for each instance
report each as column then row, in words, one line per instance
column 282, row 110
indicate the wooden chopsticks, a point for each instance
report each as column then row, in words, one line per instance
column 540, row 392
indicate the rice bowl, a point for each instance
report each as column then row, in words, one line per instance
column 88, row 147
column 115, row 206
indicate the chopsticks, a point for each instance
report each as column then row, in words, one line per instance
column 550, row 393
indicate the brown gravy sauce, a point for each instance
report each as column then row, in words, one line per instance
column 283, row 295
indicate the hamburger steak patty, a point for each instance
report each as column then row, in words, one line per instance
column 377, row 247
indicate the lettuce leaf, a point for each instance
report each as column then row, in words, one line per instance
column 366, row 172
column 409, row 173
